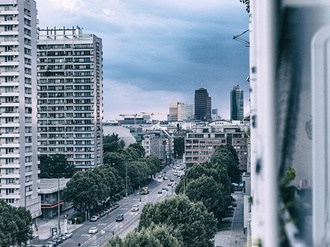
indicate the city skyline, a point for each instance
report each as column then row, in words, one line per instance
column 160, row 51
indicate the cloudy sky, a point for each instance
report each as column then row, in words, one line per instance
column 160, row 51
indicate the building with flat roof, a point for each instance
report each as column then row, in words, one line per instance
column 18, row 105
column 70, row 100
column 236, row 103
column 202, row 105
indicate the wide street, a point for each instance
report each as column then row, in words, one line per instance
column 107, row 225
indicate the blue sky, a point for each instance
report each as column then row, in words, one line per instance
column 160, row 51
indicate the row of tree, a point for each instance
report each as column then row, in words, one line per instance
column 174, row 222
column 88, row 189
column 15, row 225
column 191, row 217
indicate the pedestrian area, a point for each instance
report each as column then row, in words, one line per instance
column 234, row 235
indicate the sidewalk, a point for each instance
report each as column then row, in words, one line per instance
column 234, row 235
column 45, row 226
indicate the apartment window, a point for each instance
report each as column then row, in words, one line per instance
column 9, row 28
column 9, row 191
column 10, row 180
column 9, row 161
column 9, row 200
column 10, row 170
column 9, row 150
column 9, row 78
column 8, row 18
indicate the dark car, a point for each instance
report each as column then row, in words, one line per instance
column 120, row 217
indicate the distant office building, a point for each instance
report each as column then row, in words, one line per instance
column 18, row 105
column 70, row 101
column 215, row 115
column 202, row 105
column 236, row 104
column 179, row 111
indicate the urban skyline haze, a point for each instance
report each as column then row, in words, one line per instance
column 157, row 52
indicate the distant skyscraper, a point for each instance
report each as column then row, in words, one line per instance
column 70, row 103
column 18, row 105
column 236, row 104
column 202, row 105
column 179, row 111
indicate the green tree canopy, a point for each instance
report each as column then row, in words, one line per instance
column 226, row 156
column 154, row 235
column 15, row 225
column 206, row 190
column 192, row 220
column 178, row 147
column 55, row 166
column 112, row 143
column 85, row 190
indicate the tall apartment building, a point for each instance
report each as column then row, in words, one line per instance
column 18, row 105
column 202, row 105
column 236, row 104
column 70, row 103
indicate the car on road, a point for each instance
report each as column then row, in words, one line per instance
column 93, row 230
column 160, row 192
column 165, row 188
column 68, row 235
column 119, row 217
column 172, row 180
column 165, row 178
column 169, row 184
column 94, row 218
column 94, row 245
column 135, row 208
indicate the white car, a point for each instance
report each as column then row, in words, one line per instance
column 135, row 208
column 93, row 230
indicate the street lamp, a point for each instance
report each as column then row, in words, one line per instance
column 58, row 205
column 126, row 177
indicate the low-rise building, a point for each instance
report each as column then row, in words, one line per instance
column 50, row 191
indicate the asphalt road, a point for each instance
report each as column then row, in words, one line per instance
column 107, row 225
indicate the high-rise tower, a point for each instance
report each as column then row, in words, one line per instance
column 70, row 103
column 236, row 104
column 18, row 105
column 202, row 105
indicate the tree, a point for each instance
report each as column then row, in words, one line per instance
column 208, row 184
column 85, row 190
column 54, row 166
column 226, row 156
column 192, row 220
column 178, row 147
column 15, row 225
column 112, row 143
column 247, row 5
column 135, row 151
column 154, row 235
column 206, row 190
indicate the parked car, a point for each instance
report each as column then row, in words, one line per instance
column 120, row 217
column 94, row 218
column 94, row 245
column 68, row 235
column 93, row 230
column 160, row 192
column 135, row 208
